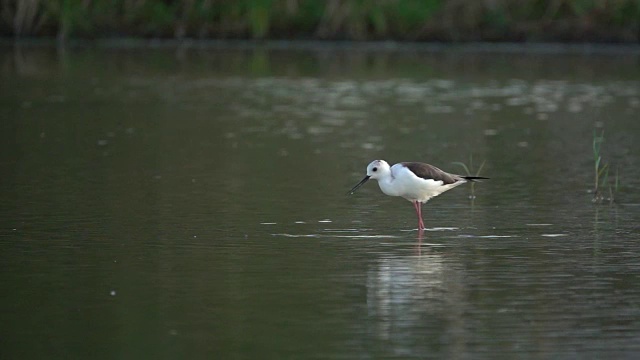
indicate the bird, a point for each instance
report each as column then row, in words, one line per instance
column 415, row 181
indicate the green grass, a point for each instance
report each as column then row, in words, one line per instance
column 418, row 20
column 601, row 182
column 468, row 170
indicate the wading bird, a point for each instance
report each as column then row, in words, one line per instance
column 414, row 181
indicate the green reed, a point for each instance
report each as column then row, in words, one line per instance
column 601, row 169
column 468, row 170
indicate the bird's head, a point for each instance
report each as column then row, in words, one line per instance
column 375, row 170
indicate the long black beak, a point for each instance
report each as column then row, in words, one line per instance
column 366, row 178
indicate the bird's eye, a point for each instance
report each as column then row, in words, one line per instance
column 375, row 169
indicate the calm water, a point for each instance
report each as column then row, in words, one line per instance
column 191, row 203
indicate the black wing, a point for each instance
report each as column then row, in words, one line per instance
column 430, row 172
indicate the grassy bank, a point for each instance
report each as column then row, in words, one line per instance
column 415, row 20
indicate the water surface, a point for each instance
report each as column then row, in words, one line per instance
column 181, row 203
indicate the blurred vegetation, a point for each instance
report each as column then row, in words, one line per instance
column 417, row 20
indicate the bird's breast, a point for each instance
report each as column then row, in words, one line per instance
column 389, row 187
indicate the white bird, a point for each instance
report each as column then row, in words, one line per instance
column 414, row 181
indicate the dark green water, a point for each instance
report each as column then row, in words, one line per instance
column 167, row 203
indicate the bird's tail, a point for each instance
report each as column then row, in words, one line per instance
column 474, row 178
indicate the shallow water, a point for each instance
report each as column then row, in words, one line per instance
column 191, row 203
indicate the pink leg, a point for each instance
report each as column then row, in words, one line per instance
column 418, row 207
column 420, row 216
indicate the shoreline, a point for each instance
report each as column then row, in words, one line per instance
column 328, row 45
